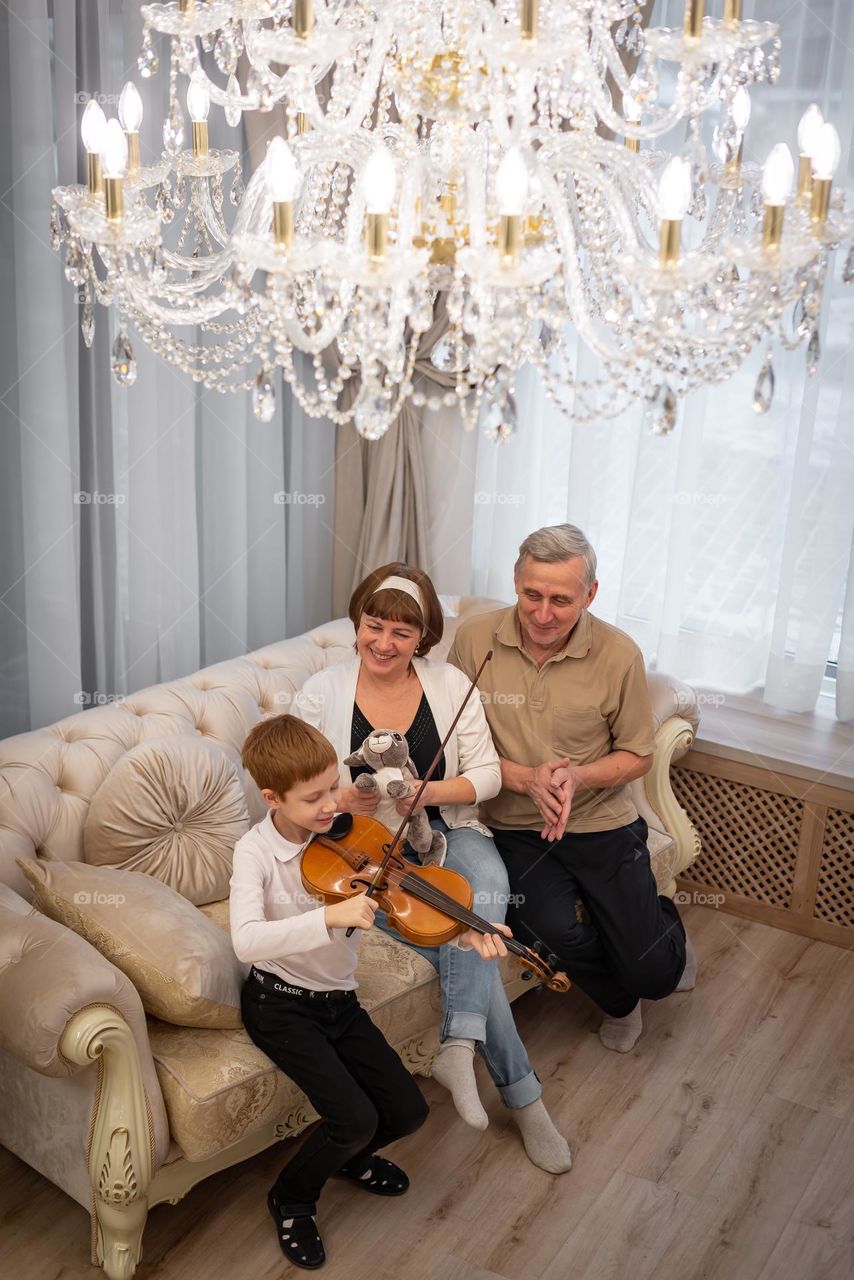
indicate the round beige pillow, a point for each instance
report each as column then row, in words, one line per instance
column 174, row 809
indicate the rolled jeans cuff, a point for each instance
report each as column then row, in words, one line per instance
column 464, row 1026
column 523, row 1092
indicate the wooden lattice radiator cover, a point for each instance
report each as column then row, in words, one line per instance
column 774, row 847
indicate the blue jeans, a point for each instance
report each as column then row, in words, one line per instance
column 473, row 997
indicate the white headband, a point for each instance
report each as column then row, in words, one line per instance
column 406, row 585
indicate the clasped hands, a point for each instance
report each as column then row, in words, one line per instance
column 552, row 786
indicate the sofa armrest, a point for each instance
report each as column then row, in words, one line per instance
column 47, row 974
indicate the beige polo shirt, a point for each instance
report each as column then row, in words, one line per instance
column 586, row 701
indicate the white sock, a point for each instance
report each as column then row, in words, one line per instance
column 545, row 1147
column 453, row 1067
column 689, row 977
column 621, row 1034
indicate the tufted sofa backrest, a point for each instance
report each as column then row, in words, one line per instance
column 48, row 776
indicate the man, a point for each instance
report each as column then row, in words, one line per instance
column 566, row 699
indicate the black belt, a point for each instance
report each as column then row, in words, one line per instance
column 301, row 993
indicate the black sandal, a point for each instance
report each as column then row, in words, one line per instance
column 381, row 1177
column 300, row 1242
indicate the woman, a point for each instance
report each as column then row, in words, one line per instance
column 390, row 684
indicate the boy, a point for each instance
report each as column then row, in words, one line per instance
column 298, row 1002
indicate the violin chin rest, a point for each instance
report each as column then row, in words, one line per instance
column 342, row 824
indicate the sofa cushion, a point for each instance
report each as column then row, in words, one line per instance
column 173, row 808
column 181, row 964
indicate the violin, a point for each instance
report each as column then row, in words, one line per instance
column 426, row 905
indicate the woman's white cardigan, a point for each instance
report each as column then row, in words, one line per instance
column 326, row 701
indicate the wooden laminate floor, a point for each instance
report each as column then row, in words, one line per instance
column 722, row 1148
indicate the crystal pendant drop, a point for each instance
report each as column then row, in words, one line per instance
column 225, row 54
column 498, row 422
column 370, row 416
column 233, row 110
column 264, row 395
column 634, row 37
column 157, row 269
column 163, row 202
column 123, row 362
column 173, row 129
column 661, row 415
column 621, row 33
column 87, row 322
column 235, row 194
column 763, row 392
column 55, row 229
column 813, row 353
column 725, row 140
column 147, row 60
column 444, row 356
column 848, row 267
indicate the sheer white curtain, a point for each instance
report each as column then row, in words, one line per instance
column 187, row 557
column 725, row 549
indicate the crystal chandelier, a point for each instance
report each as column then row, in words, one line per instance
column 458, row 180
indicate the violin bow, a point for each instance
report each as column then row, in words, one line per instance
column 379, row 874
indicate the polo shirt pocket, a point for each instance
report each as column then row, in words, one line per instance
column 580, row 733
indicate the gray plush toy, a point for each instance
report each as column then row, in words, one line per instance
column 387, row 753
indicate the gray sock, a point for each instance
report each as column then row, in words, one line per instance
column 621, row 1034
column 545, row 1147
column 689, row 976
column 453, row 1067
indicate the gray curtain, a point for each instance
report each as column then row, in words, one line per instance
column 182, row 551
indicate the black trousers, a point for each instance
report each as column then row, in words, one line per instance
column 351, row 1075
column 633, row 944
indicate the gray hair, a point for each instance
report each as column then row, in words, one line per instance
column 556, row 542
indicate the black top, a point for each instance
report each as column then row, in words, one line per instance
column 422, row 736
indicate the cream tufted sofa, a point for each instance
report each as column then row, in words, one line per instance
column 123, row 1111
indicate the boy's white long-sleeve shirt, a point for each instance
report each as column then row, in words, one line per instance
column 276, row 924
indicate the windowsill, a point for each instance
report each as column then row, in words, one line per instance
column 812, row 745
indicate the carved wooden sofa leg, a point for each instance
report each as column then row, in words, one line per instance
column 121, row 1143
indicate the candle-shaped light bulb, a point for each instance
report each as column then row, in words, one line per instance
column 511, row 183
column 810, row 123
column 379, row 180
column 826, row 152
column 130, row 108
column 511, row 194
column 130, row 115
column 114, row 159
column 283, row 177
column 93, row 127
column 777, row 178
column 674, row 197
column 826, row 155
column 529, row 17
column 283, row 183
column 198, row 105
column 778, row 175
column 114, row 151
column 302, row 19
column 808, row 130
column 632, row 115
column 674, row 190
